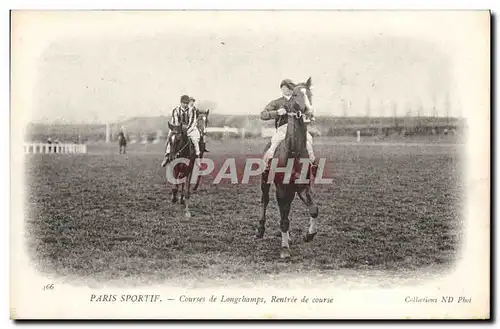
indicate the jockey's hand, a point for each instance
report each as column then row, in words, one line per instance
column 281, row 111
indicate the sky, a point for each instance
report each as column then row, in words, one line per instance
column 359, row 64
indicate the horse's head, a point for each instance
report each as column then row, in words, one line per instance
column 178, row 137
column 175, row 129
column 300, row 95
column 202, row 122
column 296, row 106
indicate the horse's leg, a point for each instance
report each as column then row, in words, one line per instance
column 174, row 193
column 199, row 177
column 305, row 196
column 264, row 187
column 285, row 196
column 175, row 189
column 187, row 213
column 182, row 193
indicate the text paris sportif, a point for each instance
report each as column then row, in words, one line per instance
column 175, row 152
column 150, row 298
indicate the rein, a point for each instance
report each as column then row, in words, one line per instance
column 178, row 152
column 182, row 148
column 297, row 114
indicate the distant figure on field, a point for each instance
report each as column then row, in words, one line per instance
column 49, row 141
column 122, row 140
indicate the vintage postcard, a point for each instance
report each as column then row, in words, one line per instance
column 250, row 164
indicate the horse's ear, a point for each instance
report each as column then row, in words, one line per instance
column 309, row 83
column 208, row 111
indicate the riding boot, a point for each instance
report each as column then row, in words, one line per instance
column 203, row 147
column 166, row 160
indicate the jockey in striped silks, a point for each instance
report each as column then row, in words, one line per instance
column 186, row 116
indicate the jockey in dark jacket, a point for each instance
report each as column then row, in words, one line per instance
column 275, row 110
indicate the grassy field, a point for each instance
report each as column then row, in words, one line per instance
column 105, row 216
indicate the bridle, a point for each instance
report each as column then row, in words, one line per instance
column 290, row 103
column 204, row 119
column 297, row 114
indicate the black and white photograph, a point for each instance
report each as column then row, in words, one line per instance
column 219, row 164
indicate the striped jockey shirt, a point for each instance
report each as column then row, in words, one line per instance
column 187, row 117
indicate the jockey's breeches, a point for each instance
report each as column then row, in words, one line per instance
column 194, row 135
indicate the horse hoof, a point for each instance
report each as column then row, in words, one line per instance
column 309, row 236
column 285, row 253
column 188, row 214
column 259, row 233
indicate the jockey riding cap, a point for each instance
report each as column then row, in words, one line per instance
column 191, row 99
column 288, row 83
column 185, row 99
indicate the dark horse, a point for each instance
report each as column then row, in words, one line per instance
column 122, row 142
column 294, row 148
column 181, row 147
column 202, row 124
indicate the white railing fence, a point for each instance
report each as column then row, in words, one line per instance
column 54, row 148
